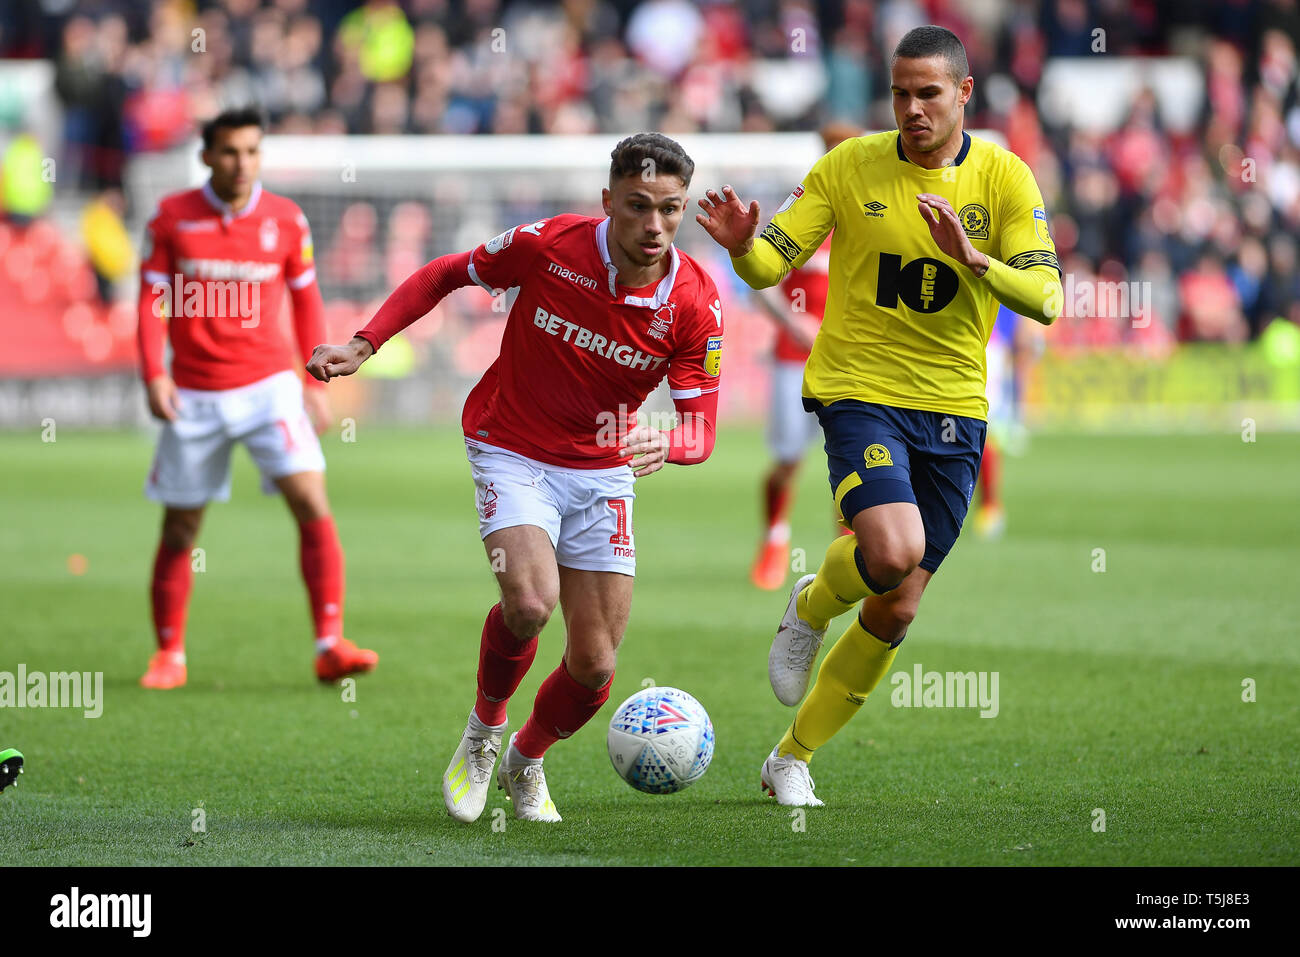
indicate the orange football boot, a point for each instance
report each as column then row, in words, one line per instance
column 771, row 565
column 166, row 670
column 343, row 658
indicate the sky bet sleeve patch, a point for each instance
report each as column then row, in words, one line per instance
column 713, row 356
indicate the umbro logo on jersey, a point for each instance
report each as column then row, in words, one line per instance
column 875, row 209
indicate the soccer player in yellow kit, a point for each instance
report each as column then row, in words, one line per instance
column 932, row 229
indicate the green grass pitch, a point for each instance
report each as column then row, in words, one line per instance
column 1119, row 690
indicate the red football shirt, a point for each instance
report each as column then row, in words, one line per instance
column 222, row 276
column 581, row 352
column 810, row 284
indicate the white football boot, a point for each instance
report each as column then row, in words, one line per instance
column 466, row 780
column 524, row 782
column 794, row 649
column 787, row 779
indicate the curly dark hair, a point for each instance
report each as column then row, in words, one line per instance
column 666, row 156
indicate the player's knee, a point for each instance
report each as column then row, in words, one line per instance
column 180, row 530
column 308, row 508
column 888, row 563
column 590, row 669
column 527, row 613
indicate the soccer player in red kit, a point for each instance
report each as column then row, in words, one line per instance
column 216, row 265
column 606, row 308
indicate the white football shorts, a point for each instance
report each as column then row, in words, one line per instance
column 191, row 465
column 789, row 428
column 587, row 513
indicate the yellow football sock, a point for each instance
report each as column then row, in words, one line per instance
column 837, row 587
column 850, row 671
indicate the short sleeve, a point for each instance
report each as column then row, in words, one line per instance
column 806, row 218
column 504, row 261
column 1024, row 238
column 696, row 364
column 300, row 267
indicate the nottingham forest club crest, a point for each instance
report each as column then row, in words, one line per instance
column 269, row 235
column 662, row 322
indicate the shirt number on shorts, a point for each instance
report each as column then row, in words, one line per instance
column 624, row 534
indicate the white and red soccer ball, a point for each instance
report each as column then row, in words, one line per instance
column 660, row 740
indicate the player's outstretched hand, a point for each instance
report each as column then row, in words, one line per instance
column 328, row 361
column 946, row 229
column 164, row 400
column 648, row 448
column 726, row 219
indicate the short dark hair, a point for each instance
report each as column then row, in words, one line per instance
column 930, row 41
column 667, row 156
column 231, row 120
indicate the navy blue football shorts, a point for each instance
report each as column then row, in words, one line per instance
column 879, row 453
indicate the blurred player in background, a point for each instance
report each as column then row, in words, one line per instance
column 606, row 308
column 216, row 265
column 797, row 311
column 933, row 228
column 1012, row 349
column 990, row 519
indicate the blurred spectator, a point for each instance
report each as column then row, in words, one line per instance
column 1211, row 307
column 380, row 37
column 1145, row 202
column 104, row 234
column 25, row 187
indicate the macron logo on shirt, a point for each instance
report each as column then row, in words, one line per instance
column 581, row 337
column 564, row 272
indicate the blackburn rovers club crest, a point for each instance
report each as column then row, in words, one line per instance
column 877, row 455
column 663, row 319
column 269, row 235
column 975, row 220
column 489, row 505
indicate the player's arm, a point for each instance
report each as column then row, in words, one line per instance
column 308, row 317
column 156, row 270
column 795, row 232
column 690, row 443
column 496, row 265
column 693, row 377
column 410, row 301
column 775, row 307
column 1027, row 277
column 308, row 308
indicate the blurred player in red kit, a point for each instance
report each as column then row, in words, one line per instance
column 796, row 307
column 606, row 308
column 216, row 264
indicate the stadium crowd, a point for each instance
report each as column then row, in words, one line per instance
column 1204, row 221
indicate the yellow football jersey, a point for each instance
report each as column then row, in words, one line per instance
column 905, row 324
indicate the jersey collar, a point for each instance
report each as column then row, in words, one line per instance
column 662, row 291
column 221, row 206
column 961, row 154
